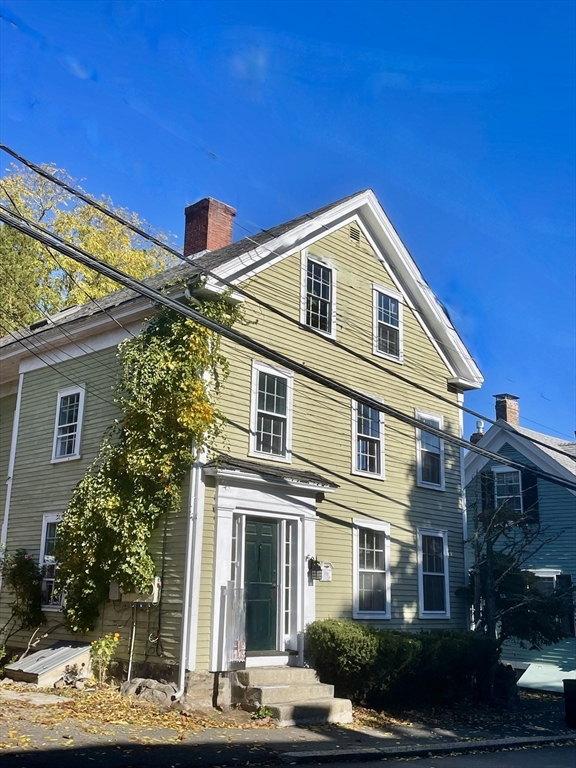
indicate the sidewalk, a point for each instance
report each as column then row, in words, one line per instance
column 45, row 735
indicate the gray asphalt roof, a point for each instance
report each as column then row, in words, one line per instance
column 182, row 272
column 565, row 445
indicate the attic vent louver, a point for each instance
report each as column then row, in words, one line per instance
column 354, row 234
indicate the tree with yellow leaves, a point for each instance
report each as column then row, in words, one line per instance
column 34, row 280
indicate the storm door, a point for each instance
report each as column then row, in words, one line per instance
column 261, row 583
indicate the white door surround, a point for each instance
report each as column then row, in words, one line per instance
column 242, row 495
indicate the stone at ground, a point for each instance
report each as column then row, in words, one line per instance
column 152, row 691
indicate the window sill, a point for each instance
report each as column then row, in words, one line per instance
column 370, row 615
column 384, row 356
column 431, row 487
column 52, row 608
column 271, row 457
column 432, row 615
column 370, row 475
column 63, row 459
column 327, row 335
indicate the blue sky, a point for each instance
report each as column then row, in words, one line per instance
column 460, row 116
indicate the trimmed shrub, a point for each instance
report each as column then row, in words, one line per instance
column 344, row 654
column 377, row 666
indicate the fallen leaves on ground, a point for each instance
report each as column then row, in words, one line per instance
column 94, row 710
column 538, row 711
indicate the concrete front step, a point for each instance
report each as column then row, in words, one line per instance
column 267, row 695
column 257, row 676
column 312, row 712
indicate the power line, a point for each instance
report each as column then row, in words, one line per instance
column 142, row 233
column 78, row 254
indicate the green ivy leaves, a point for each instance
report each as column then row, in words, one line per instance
column 170, row 375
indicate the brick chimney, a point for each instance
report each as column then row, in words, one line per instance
column 479, row 434
column 208, row 226
column 507, row 408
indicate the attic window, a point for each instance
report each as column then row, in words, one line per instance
column 354, row 234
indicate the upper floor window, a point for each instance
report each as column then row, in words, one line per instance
column 50, row 598
column 433, row 574
column 429, row 452
column 368, row 440
column 67, row 431
column 318, row 294
column 271, row 421
column 371, row 569
column 387, row 323
column 505, row 488
column 508, row 490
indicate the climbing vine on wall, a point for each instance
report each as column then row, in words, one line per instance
column 170, row 374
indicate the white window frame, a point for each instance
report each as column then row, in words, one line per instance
column 381, row 289
column 257, row 368
column 354, row 470
column 501, row 470
column 422, row 614
column 81, row 390
column 440, row 419
column 46, row 519
column 306, row 257
column 373, row 525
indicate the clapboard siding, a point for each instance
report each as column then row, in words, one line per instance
column 557, row 510
column 322, row 430
column 7, row 408
column 322, row 442
column 40, row 487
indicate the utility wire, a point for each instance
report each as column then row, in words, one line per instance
column 151, row 238
column 78, row 254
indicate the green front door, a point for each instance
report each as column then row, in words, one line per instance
column 260, row 582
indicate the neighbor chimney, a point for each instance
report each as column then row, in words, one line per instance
column 479, row 434
column 507, row 408
column 208, row 226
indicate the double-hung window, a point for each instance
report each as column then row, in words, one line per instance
column 271, row 421
column 68, row 427
column 371, row 557
column 50, row 598
column 318, row 295
column 433, row 574
column 507, row 489
column 387, row 323
column 429, row 452
column 368, row 441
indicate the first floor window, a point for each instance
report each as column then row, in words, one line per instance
column 271, row 411
column 430, row 452
column 371, row 564
column 554, row 582
column 368, row 439
column 50, row 598
column 433, row 573
column 69, row 409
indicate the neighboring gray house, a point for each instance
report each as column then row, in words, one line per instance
column 553, row 506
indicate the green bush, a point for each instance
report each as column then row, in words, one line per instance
column 377, row 666
column 343, row 654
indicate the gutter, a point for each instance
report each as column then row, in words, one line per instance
column 11, row 462
column 196, row 487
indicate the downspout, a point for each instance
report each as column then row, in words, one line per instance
column 195, row 480
column 11, row 462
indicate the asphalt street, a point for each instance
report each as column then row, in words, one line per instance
column 543, row 757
